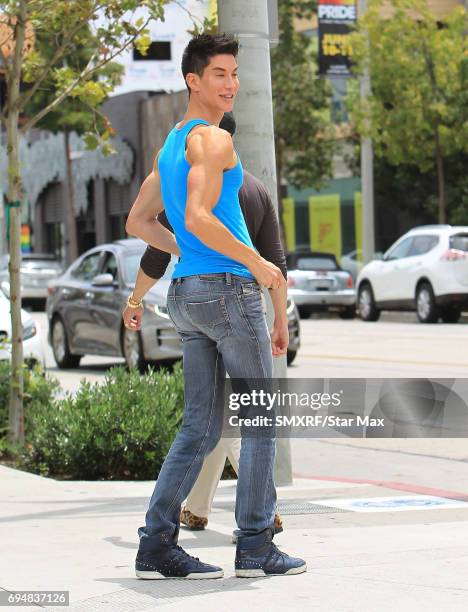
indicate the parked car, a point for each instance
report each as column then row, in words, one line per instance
column 316, row 283
column 426, row 270
column 352, row 263
column 85, row 305
column 36, row 271
column 32, row 341
column 294, row 327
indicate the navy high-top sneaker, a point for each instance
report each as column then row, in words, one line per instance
column 173, row 562
column 258, row 556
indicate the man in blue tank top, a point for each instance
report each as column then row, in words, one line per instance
column 214, row 301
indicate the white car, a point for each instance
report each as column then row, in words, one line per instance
column 426, row 270
column 32, row 341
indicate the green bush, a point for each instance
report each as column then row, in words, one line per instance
column 38, row 390
column 121, row 429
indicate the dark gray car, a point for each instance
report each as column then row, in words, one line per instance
column 85, row 305
column 84, row 309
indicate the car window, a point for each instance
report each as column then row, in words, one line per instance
column 110, row 266
column 399, row 250
column 459, row 242
column 422, row 244
column 315, row 263
column 88, row 268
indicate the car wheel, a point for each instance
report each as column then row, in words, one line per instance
column 348, row 313
column 62, row 355
column 132, row 349
column 290, row 356
column 304, row 312
column 450, row 315
column 426, row 307
column 367, row 309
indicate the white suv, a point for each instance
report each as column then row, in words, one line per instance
column 425, row 270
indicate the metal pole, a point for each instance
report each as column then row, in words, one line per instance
column 248, row 20
column 367, row 173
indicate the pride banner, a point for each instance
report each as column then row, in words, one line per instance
column 358, row 223
column 325, row 224
column 289, row 223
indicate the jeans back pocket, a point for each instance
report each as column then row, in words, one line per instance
column 210, row 316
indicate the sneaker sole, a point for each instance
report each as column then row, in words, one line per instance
column 158, row 576
column 259, row 573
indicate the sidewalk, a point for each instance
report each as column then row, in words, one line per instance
column 81, row 537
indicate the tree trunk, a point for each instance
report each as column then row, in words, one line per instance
column 440, row 178
column 16, row 414
column 70, row 219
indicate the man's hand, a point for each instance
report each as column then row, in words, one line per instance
column 266, row 273
column 132, row 317
column 279, row 339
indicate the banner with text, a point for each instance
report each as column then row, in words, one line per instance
column 335, row 19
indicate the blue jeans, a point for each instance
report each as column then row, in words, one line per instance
column 221, row 322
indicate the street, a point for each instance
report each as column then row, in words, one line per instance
column 396, row 346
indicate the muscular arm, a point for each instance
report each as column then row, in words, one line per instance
column 142, row 221
column 209, row 152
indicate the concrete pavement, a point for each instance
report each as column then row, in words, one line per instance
column 405, row 553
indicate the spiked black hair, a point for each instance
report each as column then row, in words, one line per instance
column 202, row 48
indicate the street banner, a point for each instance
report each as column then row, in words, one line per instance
column 325, row 224
column 289, row 223
column 335, row 19
column 358, row 223
column 25, row 239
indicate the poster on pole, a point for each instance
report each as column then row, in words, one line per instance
column 336, row 19
column 325, row 224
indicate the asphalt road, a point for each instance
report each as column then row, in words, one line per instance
column 396, row 346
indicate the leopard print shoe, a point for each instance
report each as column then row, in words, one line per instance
column 278, row 523
column 193, row 522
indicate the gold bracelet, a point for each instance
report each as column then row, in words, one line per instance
column 131, row 303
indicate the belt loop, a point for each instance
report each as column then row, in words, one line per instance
column 228, row 278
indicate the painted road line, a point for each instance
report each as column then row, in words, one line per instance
column 381, row 360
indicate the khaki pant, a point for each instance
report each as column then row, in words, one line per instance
column 201, row 496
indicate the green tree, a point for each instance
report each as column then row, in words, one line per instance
column 75, row 114
column 26, row 70
column 304, row 136
column 416, row 114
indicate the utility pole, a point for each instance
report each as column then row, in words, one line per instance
column 367, row 171
column 248, row 20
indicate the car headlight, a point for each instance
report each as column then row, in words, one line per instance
column 29, row 331
column 158, row 309
column 289, row 305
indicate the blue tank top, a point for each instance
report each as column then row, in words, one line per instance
column 196, row 257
